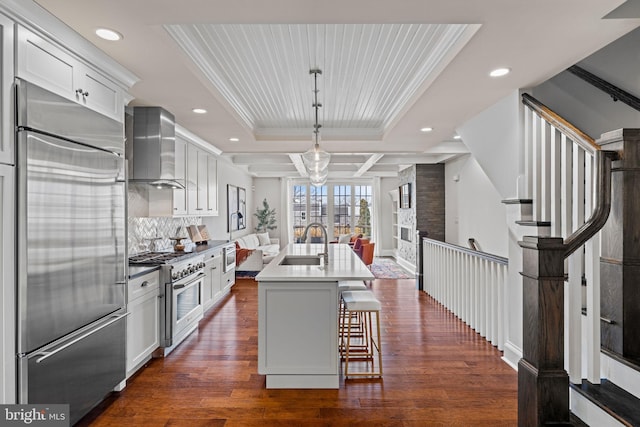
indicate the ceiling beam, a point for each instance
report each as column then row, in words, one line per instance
column 297, row 162
column 367, row 165
column 448, row 147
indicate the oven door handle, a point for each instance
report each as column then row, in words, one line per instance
column 198, row 277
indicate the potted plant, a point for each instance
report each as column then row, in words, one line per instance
column 266, row 218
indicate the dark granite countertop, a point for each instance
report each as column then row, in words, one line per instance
column 201, row 249
column 210, row 245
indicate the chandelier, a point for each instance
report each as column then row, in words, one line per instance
column 316, row 160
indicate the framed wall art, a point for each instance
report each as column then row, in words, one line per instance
column 236, row 208
column 405, row 196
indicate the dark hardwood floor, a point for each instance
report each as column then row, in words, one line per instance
column 437, row 372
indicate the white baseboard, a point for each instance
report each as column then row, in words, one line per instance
column 511, row 354
column 388, row 253
column 406, row 264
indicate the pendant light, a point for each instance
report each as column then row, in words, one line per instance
column 316, row 159
column 319, row 177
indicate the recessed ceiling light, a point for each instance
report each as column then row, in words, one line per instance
column 107, row 34
column 234, row 139
column 427, row 129
column 499, row 72
column 457, row 137
column 199, row 110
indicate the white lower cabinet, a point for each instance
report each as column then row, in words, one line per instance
column 143, row 334
column 228, row 279
column 212, row 289
column 218, row 282
column 7, row 285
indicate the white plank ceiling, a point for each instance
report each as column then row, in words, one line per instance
column 390, row 67
column 369, row 72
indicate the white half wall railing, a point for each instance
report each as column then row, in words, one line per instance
column 470, row 284
column 559, row 162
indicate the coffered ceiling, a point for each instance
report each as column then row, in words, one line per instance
column 389, row 68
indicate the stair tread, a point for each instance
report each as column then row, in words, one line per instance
column 517, row 201
column 534, row 223
column 577, row 422
column 612, row 399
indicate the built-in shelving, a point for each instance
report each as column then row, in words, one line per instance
column 395, row 228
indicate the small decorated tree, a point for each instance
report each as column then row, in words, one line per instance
column 266, row 218
column 364, row 222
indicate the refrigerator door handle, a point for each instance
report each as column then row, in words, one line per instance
column 47, row 354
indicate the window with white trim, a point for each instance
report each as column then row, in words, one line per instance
column 341, row 208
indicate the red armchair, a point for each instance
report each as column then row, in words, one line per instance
column 367, row 253
column 357, row 246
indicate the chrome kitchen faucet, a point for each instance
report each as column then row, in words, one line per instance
column 326, row 239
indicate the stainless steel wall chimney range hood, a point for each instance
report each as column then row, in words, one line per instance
column 152, row 152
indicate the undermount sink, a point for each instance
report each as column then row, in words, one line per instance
column 301, row 260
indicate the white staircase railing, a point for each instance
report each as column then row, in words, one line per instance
column 560, row 179
column 470, row 284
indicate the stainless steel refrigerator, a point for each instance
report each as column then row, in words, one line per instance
column 71, row 251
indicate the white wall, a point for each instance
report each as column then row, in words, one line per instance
column 584, row 106
column 474, row 208
column 493, row 137
column 229, row 174
column 589, row 109
column 270, row 189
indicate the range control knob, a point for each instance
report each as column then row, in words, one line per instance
column 174, row 275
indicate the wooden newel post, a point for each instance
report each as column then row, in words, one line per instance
column 543, row 384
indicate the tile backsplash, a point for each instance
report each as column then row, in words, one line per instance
column 141, row 229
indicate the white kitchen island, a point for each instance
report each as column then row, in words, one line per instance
column 298, row 315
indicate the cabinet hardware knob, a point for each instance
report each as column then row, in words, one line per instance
column 82, row 92
column 143, row 284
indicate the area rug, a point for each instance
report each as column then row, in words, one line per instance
column 387, row 268
column 246, row 274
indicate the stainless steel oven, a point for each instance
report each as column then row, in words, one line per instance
column 182, row 276
column 229, row 257
column 186, row 305
column 183, row 308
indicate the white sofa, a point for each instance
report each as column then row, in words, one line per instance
column 264, row 249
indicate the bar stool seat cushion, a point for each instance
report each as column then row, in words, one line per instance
column 350, row 285
column 360, row 301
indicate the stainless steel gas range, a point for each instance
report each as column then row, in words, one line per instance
column 181, row 278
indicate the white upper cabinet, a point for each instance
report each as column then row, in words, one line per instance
column 55, row 69
column 7, row 153
column 202, row 182
column 197, row 168
column 193, row 203
column 180, row 195
column 212, row 185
